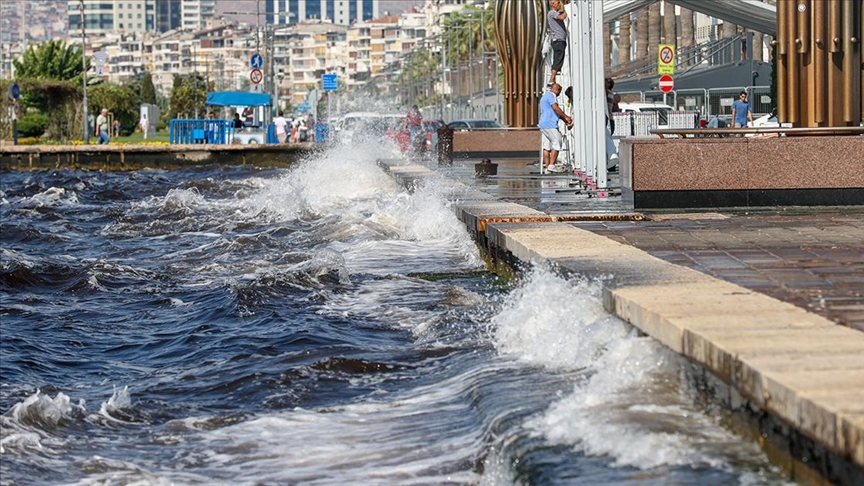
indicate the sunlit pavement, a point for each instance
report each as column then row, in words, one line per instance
column 810, row 257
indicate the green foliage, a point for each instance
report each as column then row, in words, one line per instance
column 122, row 101
column 148, row 91
column 188, row 96
column 53, row 59
column 32, row 124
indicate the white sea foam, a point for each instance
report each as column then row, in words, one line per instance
column 628, row 405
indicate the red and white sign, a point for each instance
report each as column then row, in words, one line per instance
column 666, row 83
column 256, row 76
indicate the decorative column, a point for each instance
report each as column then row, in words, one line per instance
column 819, row 64
column 519, row 29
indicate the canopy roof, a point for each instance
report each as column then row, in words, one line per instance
column 238, row 98
column 752, row 14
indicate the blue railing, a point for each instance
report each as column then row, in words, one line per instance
column 184, row 131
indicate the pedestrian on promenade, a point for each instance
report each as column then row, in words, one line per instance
column 558, row 33
column 281, row 125
column 414, row 123
column 144, row 123
column 116, row 128
column 741, row 112
column 610, row 104
column 102, row 133
column 550, row 113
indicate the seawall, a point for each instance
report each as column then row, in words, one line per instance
column 797, row 375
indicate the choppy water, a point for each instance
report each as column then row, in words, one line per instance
column 241, row 326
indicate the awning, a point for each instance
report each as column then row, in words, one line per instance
column 238, row 98
column 752, row 14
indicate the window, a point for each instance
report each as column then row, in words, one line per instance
column 120, row 16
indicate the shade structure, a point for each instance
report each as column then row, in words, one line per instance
column 238, row 98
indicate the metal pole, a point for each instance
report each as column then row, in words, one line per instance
column 84, row 73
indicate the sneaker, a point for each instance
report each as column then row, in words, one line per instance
column 614, row 168
column 552, row 169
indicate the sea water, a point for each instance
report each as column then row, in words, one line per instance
column 234, row 325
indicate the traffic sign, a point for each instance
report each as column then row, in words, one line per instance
column 256, row 76
column 666, row 59
column 14, row 91
column 666, row 83
column 329, row 83
column 257, row 61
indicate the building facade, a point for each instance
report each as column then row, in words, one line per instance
column 340, row 12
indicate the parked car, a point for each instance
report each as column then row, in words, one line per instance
column 474, row 123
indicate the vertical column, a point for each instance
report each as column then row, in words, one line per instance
column 819, row 75
column 519, row 29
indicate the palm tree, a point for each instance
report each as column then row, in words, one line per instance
column 688, row 38
column 642, row 33
column 669, row 23
column 624, row 39
column 53, row 60
column 654, row 27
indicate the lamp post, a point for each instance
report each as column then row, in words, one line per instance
column 84, row 73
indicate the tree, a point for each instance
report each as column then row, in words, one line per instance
column 188, row 96
column 122, row 101
column 53, row 60
column 148, row 91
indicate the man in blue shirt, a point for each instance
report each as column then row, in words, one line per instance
column 741, row 111
column 550, row 112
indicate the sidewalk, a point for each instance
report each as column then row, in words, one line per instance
column 770, row 302
column 810, row 257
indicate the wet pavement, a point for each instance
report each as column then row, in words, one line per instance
column 810, row 257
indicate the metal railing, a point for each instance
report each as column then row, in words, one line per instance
column 185, row 131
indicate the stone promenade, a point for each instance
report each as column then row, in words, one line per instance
column 771, row 302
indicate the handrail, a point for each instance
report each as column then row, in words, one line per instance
column 682, row 58
column 728, row 132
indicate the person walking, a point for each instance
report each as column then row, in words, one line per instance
column 102, row 133
column 414, row 123
column 741, row 112
column 550, row 113
column 281, row 125
column 558, row 33
column 144, row 123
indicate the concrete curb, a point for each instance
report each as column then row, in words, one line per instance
column 800, row 367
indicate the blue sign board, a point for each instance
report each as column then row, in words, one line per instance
column 328, row 82
column 257, row 61
column 14, row 91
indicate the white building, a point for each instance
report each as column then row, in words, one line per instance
column 106, row 16
column 341, row 12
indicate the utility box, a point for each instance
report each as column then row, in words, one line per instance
column 152, row 114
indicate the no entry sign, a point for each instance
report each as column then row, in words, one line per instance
column 666, row 83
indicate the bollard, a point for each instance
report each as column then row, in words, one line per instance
column 485, row 168
column 445, row 146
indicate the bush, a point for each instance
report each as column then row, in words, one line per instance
column 32, row 125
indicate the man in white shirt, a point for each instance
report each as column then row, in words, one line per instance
column 281, row 127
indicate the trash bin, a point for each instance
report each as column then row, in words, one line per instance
column 322, row 132
column 445, row 146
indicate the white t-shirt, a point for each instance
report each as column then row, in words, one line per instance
column 281, row 124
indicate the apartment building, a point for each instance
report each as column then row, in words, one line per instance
column 127, row 16
column 104, row 17
column 340, row 12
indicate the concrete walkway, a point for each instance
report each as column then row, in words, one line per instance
column 771, row 303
